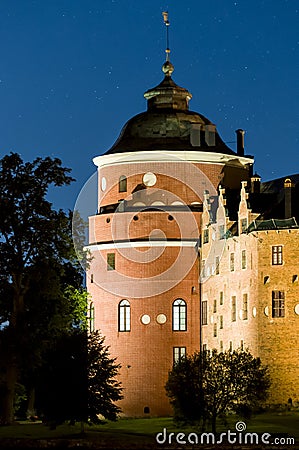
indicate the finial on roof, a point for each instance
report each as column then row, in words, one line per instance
column 167, row 68
column 166, row 21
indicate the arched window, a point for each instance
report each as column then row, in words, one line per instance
column 179, row 315
column 91, row 318
column 122, row 183
column 124, row 319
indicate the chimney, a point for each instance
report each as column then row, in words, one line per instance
column 255, row 184
column 288, row 187
column 240, row 142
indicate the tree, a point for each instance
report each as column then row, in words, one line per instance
column 77, row 381
column 61, row 384
column 207, row 385
column 103, row 388
column 35, row 246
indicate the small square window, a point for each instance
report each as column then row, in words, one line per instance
column 206, row 236
column 110, row 261
column 295, row 279
column 178, row 354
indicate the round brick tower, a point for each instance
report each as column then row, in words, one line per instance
column 144, row 275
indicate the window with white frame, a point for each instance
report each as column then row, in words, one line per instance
column 179, row 315
column 178, row 354
column 124, row 316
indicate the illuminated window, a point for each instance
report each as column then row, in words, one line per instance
column 178, row 354
column 124, row 319
column 91, row 318
column 234, row 309
column 277, row 255
column 179, row 315
column 278, row 309
column 204, row 313
column 122, row 184
column 110, row 261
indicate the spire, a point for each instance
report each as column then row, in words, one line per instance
column 166, row 21
column 167, row 67
column 167, row 95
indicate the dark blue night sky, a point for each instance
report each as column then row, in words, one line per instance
column 72, row 72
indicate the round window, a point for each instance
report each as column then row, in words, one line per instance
column 149, row 179
column 161, row 318
column 145, row 319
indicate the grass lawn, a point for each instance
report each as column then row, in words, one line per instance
column 139, row 433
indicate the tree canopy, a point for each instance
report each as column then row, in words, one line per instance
column 40, row 278
column 207, row 385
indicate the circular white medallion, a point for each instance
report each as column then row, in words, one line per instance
column 103, row 184
column 161, row 318
column 266, row 311
column 145, row 319
column 297, row 309
column 254, row 311
column 149, row 179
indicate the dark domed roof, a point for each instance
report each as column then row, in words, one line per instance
column 168, row 124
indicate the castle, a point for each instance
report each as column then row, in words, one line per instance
column 190, row 250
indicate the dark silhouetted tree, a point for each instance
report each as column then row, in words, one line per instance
column 103, row 388
column 38, row 269
column 207, row 385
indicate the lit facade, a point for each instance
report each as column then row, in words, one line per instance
column 161, row 278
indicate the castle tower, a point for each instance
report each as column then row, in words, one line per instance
column 144, row 275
